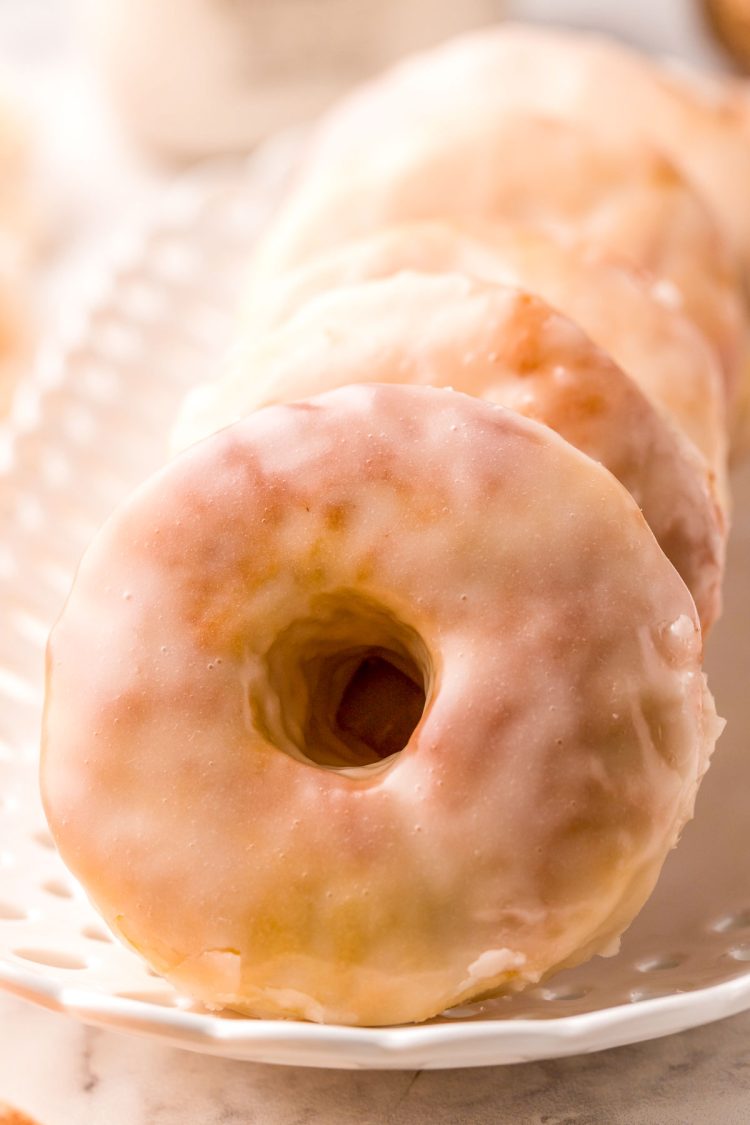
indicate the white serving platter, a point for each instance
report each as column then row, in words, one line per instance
column 92, row 421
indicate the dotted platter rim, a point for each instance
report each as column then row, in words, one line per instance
column 78, row 396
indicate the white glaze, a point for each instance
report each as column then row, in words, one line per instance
column 557, row 693
column 636, row 320
column 702, row 123
column 508, row 347
column 377, row 163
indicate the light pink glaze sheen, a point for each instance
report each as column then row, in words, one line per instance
column 566, row 728
column 503, row 345
column 628, row 314
column 702, row 123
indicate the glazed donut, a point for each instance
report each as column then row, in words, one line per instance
column 622, row 310
column 629, row 200
column 242, row 617
column 701, row 123
column 508, row 347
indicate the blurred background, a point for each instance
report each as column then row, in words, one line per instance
column 103, row 101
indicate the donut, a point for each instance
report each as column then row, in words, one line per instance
column 506, row 346
column 238, row 622
column 15, row 327
column 622, row 310
column 700, row 122
column 627, row 198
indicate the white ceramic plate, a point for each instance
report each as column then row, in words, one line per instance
column 92, row 422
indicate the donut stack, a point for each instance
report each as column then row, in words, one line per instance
column 393, row 692
column 17, row 237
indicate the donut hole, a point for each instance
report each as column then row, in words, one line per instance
column 381, row 705
column 350, row 686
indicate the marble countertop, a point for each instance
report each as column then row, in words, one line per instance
column 62, row 1073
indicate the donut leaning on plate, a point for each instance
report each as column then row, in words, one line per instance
column 17, row 237
column 622, row 309
column 242, row 615
column 509, row 347
column 627, row 198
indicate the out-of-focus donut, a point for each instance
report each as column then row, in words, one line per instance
column 17, row 233
column 583, row 77
column 730, row 19
column 234, row 627
column 627, row 198
column 506, row 346
column 11, row 1116
column 622, row 309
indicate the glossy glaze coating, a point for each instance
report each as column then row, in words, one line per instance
column 622, row 309
column 566, row 727
column 508, row 347
column 702, row 123
column 455, row 164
